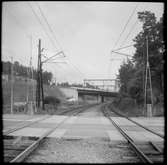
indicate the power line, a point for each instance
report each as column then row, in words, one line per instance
column 126, row 25
column 76, row 68
column 129, row 32
column 123, row 54
column 48, row 24
column 50, row 58
column 122, row 47
column 53, row 34
column 41, row 25
column 62, row 69
column 132, row 28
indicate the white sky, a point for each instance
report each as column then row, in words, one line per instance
column 85, row 31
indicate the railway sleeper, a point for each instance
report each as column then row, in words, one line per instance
column 9, row 147
column 11, row 153
column 157, row 159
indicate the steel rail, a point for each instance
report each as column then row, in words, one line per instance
column 139, row 153
column 87, row 106
column 6, row 132
column 160, row 135
column 33, row 146
column 155, row 147
column 20, row 126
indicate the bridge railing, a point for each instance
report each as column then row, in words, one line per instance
column 92, row 89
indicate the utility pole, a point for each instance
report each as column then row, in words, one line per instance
column 148, row 106
column 31, row 68
column 12, row 85
column 27, row 99
column 41, row 79
column 32, row 105
column 39, row 90
column 38, row 85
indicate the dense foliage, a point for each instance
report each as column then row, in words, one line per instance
column 66, row 84
column 132, row 73
column 20, row 70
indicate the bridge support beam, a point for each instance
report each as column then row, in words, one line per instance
column 100, row 99
column 81, row 98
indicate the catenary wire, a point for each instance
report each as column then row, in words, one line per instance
column 126, row 25
column 42, row 26
column 45, row 19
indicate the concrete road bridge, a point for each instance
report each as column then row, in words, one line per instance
column 105, row 84
column 89, row 94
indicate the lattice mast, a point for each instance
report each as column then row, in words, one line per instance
column 148, row 78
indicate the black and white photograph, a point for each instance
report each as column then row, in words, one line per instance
column 82, row 82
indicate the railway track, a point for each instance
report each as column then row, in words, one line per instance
column 17, row 148
column 118, row 114
column 23, row 124
column 68, row 112
column 147, row 152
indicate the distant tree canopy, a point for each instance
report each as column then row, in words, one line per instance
column 132, row 73
column 63, row 84
column 66, row 84
column 20, row 70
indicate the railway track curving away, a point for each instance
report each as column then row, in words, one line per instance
column 91, row 133
column 149, row 151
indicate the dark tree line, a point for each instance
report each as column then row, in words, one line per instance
column 20, row 70
column 66, row 84
column 132, row 73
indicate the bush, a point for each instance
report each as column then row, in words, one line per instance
column 51, row 100
column 125, row 103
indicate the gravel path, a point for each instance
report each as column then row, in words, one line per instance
column 82, row 151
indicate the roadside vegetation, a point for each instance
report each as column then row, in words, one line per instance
column 55, row 101
column 132, row 73
column 20, row 93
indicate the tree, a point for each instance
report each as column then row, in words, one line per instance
column 24, row 71
column 16, row 67
column 132, row 74
column 126, row 73
column 47, row 77
column 6, row 67
column 153, row 29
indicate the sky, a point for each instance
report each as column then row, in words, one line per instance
column 85, row 31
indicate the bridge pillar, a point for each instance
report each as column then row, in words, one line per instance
column 81, row 98
column 98, row 98
column 102, row 99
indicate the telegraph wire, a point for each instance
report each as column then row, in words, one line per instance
column 76, row 68
column 129, row 33
column 53, row 33
column 126, row 25
column 122, row 47
column 40, row 9
column 42, row 25
column 132, row 28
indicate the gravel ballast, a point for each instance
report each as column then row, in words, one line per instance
column 82, row 151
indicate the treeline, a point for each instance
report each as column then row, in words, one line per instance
column 23, row 71
column 132, row 74
column 66, row 84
